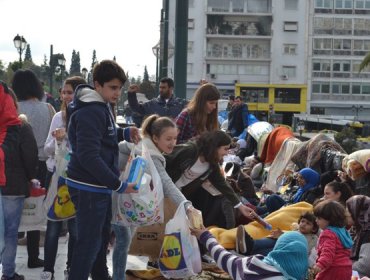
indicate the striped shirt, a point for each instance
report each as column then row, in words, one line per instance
column 249, row 267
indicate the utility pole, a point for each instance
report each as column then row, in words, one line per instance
column 51, row 67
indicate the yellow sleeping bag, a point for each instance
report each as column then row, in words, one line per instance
column 282, row 218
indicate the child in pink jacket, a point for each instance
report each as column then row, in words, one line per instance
column 334, row 246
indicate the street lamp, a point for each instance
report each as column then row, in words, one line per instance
column 61, row 63
column 357, row 109
column 84, row 72
column 156, row 50
column 300, row 128
column 20, row 44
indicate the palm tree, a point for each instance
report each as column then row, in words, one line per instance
column 365, row 62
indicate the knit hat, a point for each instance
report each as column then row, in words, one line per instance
column 289, row 255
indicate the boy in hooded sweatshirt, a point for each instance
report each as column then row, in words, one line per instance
column 93, row 168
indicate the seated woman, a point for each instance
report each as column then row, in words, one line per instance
column 307, row 180
column 359, row 208
column 191, row 164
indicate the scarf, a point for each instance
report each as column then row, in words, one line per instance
column 312, row 179
column 359, row 208
column 343, row 236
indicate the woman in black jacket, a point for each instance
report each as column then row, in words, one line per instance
column 20, row 158
column 191, row 164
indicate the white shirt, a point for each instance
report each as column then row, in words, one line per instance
column 194, row 172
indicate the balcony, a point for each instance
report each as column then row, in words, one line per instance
column 239, row 6
column 247, row 26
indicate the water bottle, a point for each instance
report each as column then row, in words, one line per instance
column 262, row 222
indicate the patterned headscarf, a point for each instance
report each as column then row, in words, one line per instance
column 359, row 208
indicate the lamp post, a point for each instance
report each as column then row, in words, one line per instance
column 20, row 44
column 84, row 72
column 61, row 63
column 156, row 50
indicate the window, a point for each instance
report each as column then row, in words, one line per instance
column 343, row 4
column 291, row 4
column 289, row 71
column 326, row 4
column 362, row 4
column 290, row 49
column 290, row 26
column 321, row 68
column 342, row 26
column 218, row 5
column 361, row 27
column 237, row 50
column 238, row 6
column 361, row 47
column 342, row 46
column 190, row 23
column 340, row 88
column 253, row 70
column 190, row 46
column 321, row 87
column 323, row 26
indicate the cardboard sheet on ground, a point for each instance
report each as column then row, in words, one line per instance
column 282, row 218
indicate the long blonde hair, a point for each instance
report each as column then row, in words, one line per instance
column 202, row 120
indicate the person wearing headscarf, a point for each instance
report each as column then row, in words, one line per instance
column 288, row 260
column 359, row 208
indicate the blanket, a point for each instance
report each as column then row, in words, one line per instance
column 357, row 164
column 282, row 218
column 274, row 142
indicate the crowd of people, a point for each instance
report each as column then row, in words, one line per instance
column 187, row 146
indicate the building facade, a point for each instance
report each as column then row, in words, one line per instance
column 278, row 52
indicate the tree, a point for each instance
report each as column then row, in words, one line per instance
column 94, row 60
column 146, row 75
column 2, row 71
column 365, row 62
column 75, row 68
column 147, row 88
column 27, row 55
column 347, row 139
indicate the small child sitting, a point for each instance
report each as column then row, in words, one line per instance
column 246, row 245
column 288, row 259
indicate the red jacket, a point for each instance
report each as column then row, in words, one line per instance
column 332, row 257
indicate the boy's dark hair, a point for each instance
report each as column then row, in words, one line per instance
column 238, row 97
column 231, row 97
column 332, row 211
column 209, row 142
column 168, row 81
column 311, row 218
column 26, row 85
column 107, row 70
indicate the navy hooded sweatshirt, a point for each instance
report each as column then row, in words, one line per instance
column 94, row 138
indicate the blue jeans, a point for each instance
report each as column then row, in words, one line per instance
column 13, row 206
column 123, row 240
column 93, row 218
column 51, row 242
column 263, row 246
column 274, row 202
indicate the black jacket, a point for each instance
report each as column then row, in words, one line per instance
column 21, row 158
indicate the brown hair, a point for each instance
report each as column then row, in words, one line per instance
column 343, row 188
column 73, row 82
column 202, row 120
column 311, row 218
column 154, row 125
column 332, row 211
column 209, row 142
column 107, row 70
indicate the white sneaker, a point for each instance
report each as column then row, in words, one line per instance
column 46, row 275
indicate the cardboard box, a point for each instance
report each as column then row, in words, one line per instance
column 147, row 241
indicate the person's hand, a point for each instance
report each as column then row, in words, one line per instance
column 247, row 212
column 135, row 134
column 197, row 232
column 276, row 233
column 134, row 88
column 59, row 134
column 316, row 269
column 127, row 188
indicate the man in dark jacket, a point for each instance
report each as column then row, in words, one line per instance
column 238, row 117
column 166, row 104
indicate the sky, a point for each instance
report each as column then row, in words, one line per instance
column 127, row 29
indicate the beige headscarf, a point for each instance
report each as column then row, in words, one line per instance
column 357, row 164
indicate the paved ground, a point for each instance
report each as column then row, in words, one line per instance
column 134, row 262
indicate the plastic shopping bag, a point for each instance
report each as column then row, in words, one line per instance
column 58, row 204
column 146, row 206
column 180, row 256
column 2, row 244
column 33, row 217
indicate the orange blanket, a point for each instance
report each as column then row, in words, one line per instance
column 274, row 142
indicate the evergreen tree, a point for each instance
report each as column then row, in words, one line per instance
column 75, row 68
column 94, row 60
column 27, row 55
column 114, row 58
column 147, row 88
column 146, row 75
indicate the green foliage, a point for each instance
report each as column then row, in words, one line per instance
column 75, row 68
column 27, row 55
column 148, row 89
column 146, row 75
column 347, row 139
column 2, row 71
column 94, row 60
column 365, row 62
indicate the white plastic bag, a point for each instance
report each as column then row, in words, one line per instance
column 180, row 256
column 33, row 216
column 58, row 204
column 145, row 207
